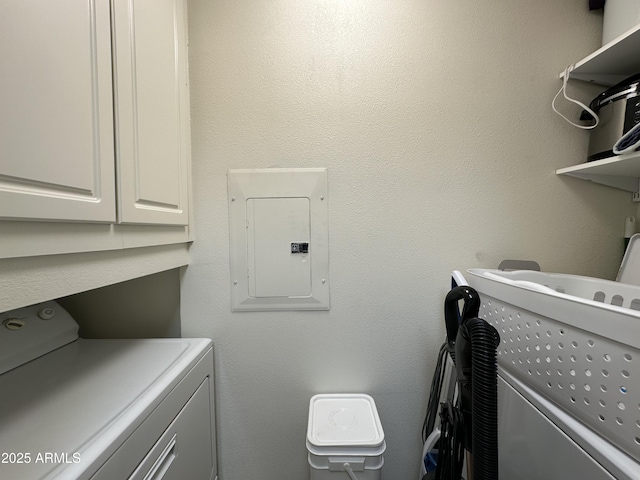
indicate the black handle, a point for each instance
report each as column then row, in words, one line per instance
column 452, row 316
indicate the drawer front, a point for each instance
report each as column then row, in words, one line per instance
column 184, row 450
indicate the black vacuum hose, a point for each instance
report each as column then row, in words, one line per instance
column 484, row 392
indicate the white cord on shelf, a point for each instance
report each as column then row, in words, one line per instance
column 563, row 90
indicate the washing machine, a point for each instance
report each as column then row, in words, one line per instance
column 73, row 408
column 568, row 374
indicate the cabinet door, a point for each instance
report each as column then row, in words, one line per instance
column 152, row 111
column 56, row 120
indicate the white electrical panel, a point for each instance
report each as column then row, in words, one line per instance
column 279, row 239
column 272, row 224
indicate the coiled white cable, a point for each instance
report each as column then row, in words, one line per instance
column 563, row 90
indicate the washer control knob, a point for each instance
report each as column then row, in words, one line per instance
column 47, row 313
column 14, row 323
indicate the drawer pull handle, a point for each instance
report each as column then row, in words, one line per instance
column 164, row 461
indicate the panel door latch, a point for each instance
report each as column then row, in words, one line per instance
column 300, row 247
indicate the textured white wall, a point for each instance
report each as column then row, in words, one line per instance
column 433, row 118
column 144, row 307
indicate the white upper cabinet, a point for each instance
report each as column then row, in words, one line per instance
column 56, row 121
column 94, row 111
column 152, row 111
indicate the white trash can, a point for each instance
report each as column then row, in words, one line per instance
column 345, row 439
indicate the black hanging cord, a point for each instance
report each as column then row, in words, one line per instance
column 434, row 394
column 451, row 453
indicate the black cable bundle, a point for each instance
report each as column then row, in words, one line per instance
column 451, row 454
column 434, row 394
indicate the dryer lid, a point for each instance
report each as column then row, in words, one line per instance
column 86, row 398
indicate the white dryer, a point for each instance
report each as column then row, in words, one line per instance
column 73, row 408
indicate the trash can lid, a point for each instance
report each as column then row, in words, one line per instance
column 344, row 420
